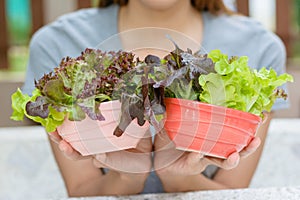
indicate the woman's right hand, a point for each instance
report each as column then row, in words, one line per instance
column 137, row 160
column 128, row 169
column 65, row 147
column 130, row 161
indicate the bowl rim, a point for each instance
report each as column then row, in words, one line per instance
column 233, row 113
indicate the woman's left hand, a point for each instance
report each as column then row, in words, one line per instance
column 170, row 161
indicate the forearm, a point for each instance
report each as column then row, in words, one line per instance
column 112, row 183
column 181, row 183
column 82, row 178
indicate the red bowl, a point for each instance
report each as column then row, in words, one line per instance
column 91, row 136
column 212, row 130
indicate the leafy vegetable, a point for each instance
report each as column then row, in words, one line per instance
column 20, row 105
column 236, row 85
column 140, row 99
column 77, row 86
column 74, row 89
column 154, row 79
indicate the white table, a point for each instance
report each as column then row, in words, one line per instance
column 28, row 170
column 287, row 193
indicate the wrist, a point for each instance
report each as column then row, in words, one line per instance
column 187, row 183
column 175, row 183
column 135, row 181
column 133, row 177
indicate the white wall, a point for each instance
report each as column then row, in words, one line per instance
column 55, row 8
column 264, row 11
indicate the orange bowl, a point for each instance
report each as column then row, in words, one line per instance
column 212, row 130
column 91, row 136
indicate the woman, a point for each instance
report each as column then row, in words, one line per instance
column 210, row 24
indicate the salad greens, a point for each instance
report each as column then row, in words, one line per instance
column 77, row 86
column 74, row 89
column 236, row 85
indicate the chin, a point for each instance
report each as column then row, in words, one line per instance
column 160, row 4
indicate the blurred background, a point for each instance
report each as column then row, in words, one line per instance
column 26, row 160
column 19, row 19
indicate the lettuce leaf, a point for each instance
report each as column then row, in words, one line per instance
column 19, row 103
column 74, row 89
column 236, row 85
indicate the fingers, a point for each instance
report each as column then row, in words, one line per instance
column 99, row 160
column 231, row 162
column 193, row 157
column 55, row 137
column 124, row 161
column 251, row 148
column 197, row 160
column 69, row 152
column 144, row 146
column 163, row 142
column 65, row 147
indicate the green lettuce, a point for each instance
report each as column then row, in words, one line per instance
column 20, row 102
column 75, row 89
column 236, row 85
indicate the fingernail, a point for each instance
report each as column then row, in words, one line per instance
column 54, row 139
column 201, row 155
column 62, row 147
column 258, row 141
column 101, row 156
column 234, row 159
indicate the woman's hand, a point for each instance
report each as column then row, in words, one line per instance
column 137, row 160
column 174, row 166
column 131, row 165
column 65, row 147
column 133, row 161
column 128, row 169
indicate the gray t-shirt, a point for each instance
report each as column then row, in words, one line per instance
column 72, row 33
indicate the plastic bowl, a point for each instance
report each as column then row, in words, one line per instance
column 212, row 130
column 92, row 137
